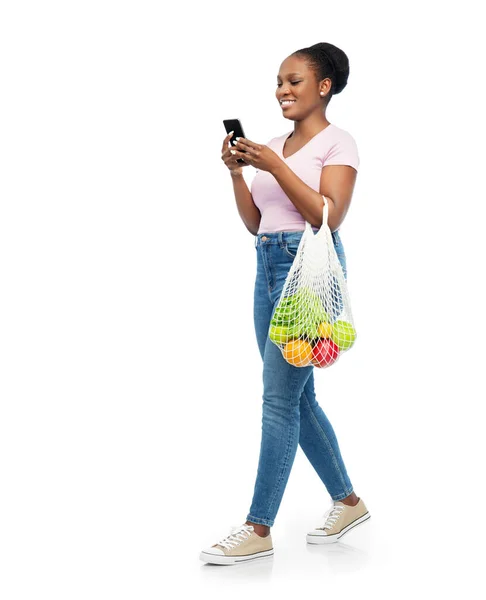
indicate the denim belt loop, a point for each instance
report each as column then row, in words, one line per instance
column 280, row 239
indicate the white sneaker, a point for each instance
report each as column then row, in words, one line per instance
column 241, row 545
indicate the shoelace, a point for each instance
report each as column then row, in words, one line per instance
column 332, row 516
column 238, row 534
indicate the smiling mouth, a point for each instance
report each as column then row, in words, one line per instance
column 286, row 103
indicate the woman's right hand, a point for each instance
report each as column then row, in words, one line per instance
column 229, row 159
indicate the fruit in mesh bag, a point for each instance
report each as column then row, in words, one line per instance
column 324, row 330
column 343, row 334
column 300, row 315
column 298, row 353
column 309, row 331
column 284, row 315
column 283, row 326
column 281, row 334
column 324, row 353
column 309, row 302
column 308, row 305
column 315, row 323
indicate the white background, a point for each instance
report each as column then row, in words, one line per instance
column 130, row 376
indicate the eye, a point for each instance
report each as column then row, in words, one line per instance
column 292, row 82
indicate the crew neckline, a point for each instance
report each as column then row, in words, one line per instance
column 282, row 146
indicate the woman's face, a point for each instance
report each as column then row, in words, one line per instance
column 297, row 82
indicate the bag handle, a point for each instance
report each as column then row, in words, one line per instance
column 325, row 214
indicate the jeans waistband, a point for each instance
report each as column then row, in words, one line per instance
column 282, row 237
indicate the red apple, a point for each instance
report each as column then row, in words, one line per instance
column 324, row 353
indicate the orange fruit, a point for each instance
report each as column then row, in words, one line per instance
column 298, row 353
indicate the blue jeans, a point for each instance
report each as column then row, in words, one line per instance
column 290, row 412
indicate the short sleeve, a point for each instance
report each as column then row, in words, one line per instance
column 343, row 151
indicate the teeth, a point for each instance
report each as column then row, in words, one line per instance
column 287, row 101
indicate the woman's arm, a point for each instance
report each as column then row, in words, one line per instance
column 336, row 184
column 247, row 209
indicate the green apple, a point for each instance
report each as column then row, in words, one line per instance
column 281, row 334
column 343, row 334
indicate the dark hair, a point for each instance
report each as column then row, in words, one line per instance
column 327, row 60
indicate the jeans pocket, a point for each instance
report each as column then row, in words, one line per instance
column 290, row 248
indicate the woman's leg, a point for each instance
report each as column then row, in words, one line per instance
column 283, row 385
column 319, row 443
column 262, row 313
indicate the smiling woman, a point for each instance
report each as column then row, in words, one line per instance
column 294, row 171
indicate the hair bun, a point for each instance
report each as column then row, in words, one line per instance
column 338, row 62
column 329, row 61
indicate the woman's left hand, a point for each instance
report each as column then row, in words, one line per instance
column 257, row 155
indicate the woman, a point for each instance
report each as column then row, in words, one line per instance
column 294, row 173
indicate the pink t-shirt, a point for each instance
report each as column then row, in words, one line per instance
column 331, row 146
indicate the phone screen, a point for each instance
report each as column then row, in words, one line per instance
column 235, row 126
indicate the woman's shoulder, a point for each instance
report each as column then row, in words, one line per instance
column 340, row 132
column 340, row 148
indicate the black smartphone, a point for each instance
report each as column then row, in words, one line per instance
column 235, row 126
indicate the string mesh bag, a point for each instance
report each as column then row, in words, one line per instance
column 312, row 323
